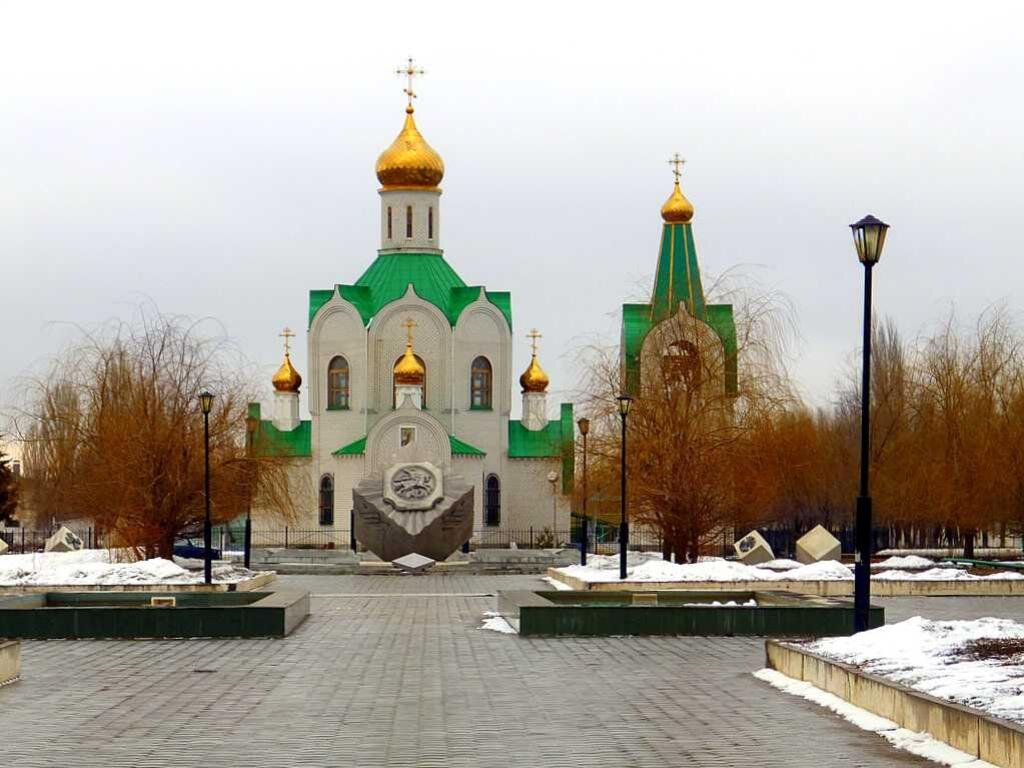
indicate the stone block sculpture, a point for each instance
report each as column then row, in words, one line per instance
column 64, row 540
column 752, row 549
column 816, row 545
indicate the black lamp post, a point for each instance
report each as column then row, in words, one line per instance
column 869, row 238
column 584, row 425
column 250, row 432
column 624, row 402
column 206, row 405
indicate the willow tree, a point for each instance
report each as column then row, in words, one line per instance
column 114, row 435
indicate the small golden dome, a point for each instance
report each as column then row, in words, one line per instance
column 534, row 379
column 287, row 379
column 410, row 161
column 409, row 370
column 677, row 209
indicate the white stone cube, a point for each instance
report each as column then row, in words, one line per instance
column 64, row 540
column 817, row 545
column 752, row 549
column 3, row 546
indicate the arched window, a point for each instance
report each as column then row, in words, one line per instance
column 681, row 364
column 430, row 223
column 408, row 221
column 389, row 223
column 480, row 384
column 423, row 388
column 337, row 384
column 492, row 501
column 326, row 500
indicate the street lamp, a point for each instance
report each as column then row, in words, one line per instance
column 206, row 405
column 553, row 478
column 251, row 422
column 584, row 425
column 624, row 402
column 868, row 238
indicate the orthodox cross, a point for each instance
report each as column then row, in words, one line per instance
column 677, row 165
column 409, row 325
column 287, row 335
column 533, row 336
column 410, row 72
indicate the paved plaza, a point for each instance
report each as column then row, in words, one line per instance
column 394, row 671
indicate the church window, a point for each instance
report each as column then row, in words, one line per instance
column 408, row 221
column 326, row 500
column 337, row 384
column 492, row 501
column 480, row 384
column 389, row 223
column 430, row 222
column 681, row 364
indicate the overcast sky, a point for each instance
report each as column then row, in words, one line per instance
column 218, row 159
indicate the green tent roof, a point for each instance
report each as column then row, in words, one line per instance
column 459, row 448
column 268, row 440
column 390, row 275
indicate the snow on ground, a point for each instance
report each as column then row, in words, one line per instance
column 909, row 561
column 936, row 657
column 751, row 603
column 496, row 623
column 89, row 567
column 781, row 564
column 561, row 586
column 920, row 744
column 641, row 566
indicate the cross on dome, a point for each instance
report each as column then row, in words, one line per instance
column 677, row 165
column 534, row 335
column 287, row 334
column 410, row 71
column 409, row 324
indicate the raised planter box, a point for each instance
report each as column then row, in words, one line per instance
column 988, row 738
column 10, row 661
column 79, row 615
column 677, row 612
column 245, row 585
column 835, row 588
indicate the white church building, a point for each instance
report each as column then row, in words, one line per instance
column 410, row 353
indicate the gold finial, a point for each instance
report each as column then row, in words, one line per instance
column 410, row 72
column 534, row 379
column 677, row 209
column 677, row 165
column 287, row 379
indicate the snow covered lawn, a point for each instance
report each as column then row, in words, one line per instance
column 977, row 663
column 642, row 566
column 92, row 567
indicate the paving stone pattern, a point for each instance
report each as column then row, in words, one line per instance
column 397, row 673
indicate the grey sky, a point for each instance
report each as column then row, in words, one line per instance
column 218, row 158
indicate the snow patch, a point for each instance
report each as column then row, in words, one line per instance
column 495, row 622
column 561, row 586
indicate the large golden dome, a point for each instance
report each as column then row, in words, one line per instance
column 677, row 209
column 534, row 379
column 287, row 379
column 409, row 161
column 409, row 370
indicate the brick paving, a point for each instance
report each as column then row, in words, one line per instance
column 393, row 671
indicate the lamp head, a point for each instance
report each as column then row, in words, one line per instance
column 552, row 477
column 869, row 239
column 624, row 402
column 584, row 425
column 206, row 401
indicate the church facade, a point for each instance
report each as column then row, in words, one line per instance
column 411, row 354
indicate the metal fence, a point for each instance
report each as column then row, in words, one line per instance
column 26, row 540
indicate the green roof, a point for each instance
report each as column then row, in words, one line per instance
column 677, row 281
column 268, row 440
column 459, row 448
column 556, row 440
column 389, row 277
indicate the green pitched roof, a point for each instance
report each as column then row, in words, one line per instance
column 556, row 440
column 677, row 281
column 459, row 448
column 268, row 440
column 390, row 275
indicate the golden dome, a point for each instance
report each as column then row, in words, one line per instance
column 409, row 161
column 287, row 379
column 409, row 370
column 534, row 379
column 677, row 209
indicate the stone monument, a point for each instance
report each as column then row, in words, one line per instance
column 413, row 506
column 3, row 546
column 752, row 549
column 64, row 540
column 816, row 545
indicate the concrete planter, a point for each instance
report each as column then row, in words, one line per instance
column 246, row 585
column 988, row 738
column 992, row 588
column 10, row 661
